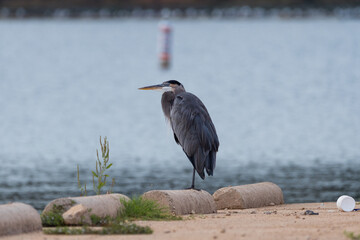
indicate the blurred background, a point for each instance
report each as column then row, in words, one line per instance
column 280, row 80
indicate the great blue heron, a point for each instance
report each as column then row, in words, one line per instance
column 191, row 124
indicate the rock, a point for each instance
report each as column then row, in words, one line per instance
column 78, row 209
column 249, row 196
column 182, row 202
column 78, row 214
column 18, row 218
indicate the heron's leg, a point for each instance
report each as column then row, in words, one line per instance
column 193, row 182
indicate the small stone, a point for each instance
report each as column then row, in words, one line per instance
column 168, row 231
column 253, row 212
column 268, row 212
column 271, row 204
column 192, row 212
column 223, row 230
column 331, row 211
column 228, row 214
column 215, row 237
column 309, row 212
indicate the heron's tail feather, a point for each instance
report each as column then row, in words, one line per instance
column 210, row 163
column 199, row 162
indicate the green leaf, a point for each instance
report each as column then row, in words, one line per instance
column 109, row 166
column 94, row 174
column 100, row 185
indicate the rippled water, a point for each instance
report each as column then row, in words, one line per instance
column 284, row 97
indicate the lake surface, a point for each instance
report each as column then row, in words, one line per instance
column 283, row 95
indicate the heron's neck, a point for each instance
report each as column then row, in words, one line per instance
column 167, row 101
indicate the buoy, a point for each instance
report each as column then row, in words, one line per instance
column 165, row 44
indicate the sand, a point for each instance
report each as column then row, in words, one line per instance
column 276, row 222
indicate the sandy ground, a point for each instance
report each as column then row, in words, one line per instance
column 277, row 222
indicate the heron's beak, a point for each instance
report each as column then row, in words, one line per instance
column 153, row 87
column 162, row 87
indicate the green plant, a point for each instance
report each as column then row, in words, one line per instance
column 98, row 221
column 53, row 217
column 351, row 235
column 144, row 209
column 99, row 173
column 113, row 228
column 101, row 167
column 82, row 189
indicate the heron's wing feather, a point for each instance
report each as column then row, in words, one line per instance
column 195, row 131
column 176, row 139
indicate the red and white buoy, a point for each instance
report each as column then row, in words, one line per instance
column 165, row 44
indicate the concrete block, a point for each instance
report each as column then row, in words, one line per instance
column 249, row 196
column 100, row 205
column 182, row 202
column 18, row 218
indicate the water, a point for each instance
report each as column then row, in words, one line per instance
column 283, row 96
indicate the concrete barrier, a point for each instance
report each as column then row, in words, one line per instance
column 249, row 196
column 77, row 210
column 18, row 218
column 182, row 202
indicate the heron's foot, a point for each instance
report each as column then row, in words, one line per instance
column 193, row 188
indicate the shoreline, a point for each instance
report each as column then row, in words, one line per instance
column 285, row 221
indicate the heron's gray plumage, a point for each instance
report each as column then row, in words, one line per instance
column 193, row 129
column 192, row 126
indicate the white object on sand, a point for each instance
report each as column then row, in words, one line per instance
column 345, row 203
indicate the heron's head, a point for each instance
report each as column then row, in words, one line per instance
column 168, row 86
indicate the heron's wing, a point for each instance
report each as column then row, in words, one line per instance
column 194, row 131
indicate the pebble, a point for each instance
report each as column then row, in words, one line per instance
column 253, row 212
column 270, row 212
column 309, row 212
column 223, row 230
